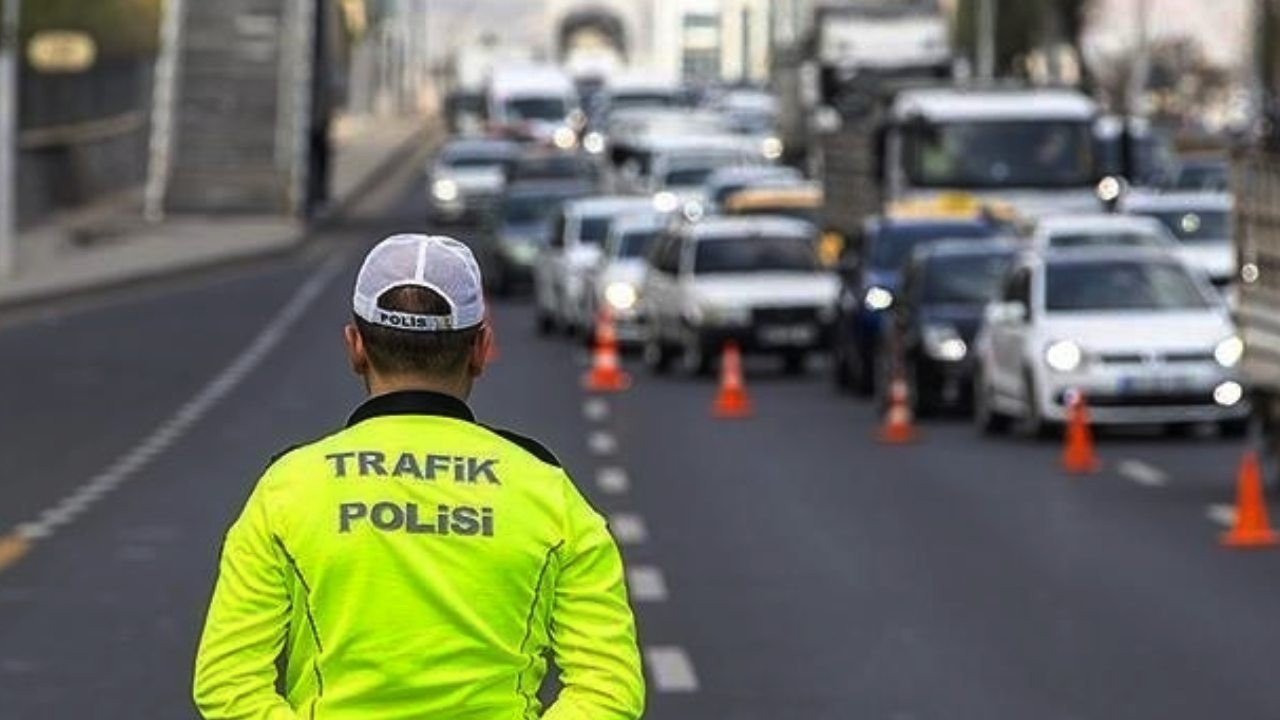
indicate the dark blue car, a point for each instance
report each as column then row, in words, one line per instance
column 869, row 283
column 944, row 293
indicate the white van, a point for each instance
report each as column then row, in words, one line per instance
column 534, row 102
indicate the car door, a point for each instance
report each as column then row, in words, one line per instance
column 544, row 288
column 1009, row 334
column 659, row 283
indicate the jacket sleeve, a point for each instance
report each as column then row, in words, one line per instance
column 244, row 633
column 593, row 632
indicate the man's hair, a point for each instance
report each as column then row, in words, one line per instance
column 393, row 351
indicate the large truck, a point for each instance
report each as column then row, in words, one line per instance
column 1256, row 230
column 838, row 46
column 1030, row 151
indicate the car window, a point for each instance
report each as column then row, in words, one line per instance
column 1195, row 226
column 1127, row 238
column 1017, row 288
column 525, row 209
column 636, row 243
column 754, row 254
column 965, row 279
column 593, row 230
column 1121, row 286
column 893, row 244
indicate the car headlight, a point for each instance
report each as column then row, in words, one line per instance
column 1063, row 356
column 771, row 148
column 666, row 202
column 519, row 249
column 564, row 138
column 943, row 342
column 877, row 298
column 1229, row 351
column 621, row 295
column 593, row 143
column 445, row 190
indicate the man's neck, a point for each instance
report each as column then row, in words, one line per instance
column 384, row 385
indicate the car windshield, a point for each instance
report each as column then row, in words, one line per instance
column 1104, row 238
column 964, row 279
column 476, row 159
column 531, row 208
column 686, row 176
column 537, row 108
column 636, row 243
column 893, row 244
column 592, row 230
column 1202, row 176
column 1196, row 226
column 628, row 101
column 754, row 254
column 808, row 214
column 745, row 122
column 1124, row 285
column 551, row 167
column 1023, row 154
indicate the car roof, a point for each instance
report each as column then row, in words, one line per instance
column 1177, row 200
column 959, row 104
column 1056, row 224
column 482, row 145
column 1106, row 254
column 638, row 222
column 607, row 204
column 964, row 247
column 722, row 226
column 748, row 171
column 540, row 186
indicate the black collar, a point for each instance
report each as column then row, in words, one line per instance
column 412, row 402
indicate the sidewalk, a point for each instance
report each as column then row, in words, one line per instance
column 110, row 244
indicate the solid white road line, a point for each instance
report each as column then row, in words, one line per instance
column 1142, row 473
column 171, row 430
column 613, row 480
column 671, row 670
column 595, row 409
column 628, row 529
column 646, row 584
column 1223, row 514
column 602, row 443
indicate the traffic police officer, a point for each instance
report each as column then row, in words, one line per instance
column 418, row 564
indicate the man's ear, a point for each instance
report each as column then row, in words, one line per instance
column 356, row 355
column 480, row 351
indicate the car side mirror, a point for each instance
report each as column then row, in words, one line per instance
column 1005, row 313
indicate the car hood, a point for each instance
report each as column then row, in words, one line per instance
column 524, row 233
column 1217, row 259
column 628, row 271
column 781, row 289
column 1139, row 331
column 964, row 318
column 475, row 180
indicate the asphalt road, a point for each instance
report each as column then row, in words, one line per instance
column 785, row 566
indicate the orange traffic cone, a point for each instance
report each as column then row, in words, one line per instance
column 1251, row 529
column 606, row 374
column 1078, row 457
column 731, row 400
column 899, row 423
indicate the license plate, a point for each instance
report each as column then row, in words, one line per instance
column 1153, row 384
column 788, row 334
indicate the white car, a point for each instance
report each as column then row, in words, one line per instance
column 466, row 178
column 576, row 242
column 1142, row 336
column 1063, row 232
column 1199, row 221
column 616, row 281
column 754, row 281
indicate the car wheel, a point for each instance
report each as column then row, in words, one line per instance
column 864, row 377
column 840, row 374
column 794, row 362
column 924, row 399
column 1033, row 423
column 657, row 356
column 693, row 357
column 545, row 323
column 1234, row 429
column 989, row 420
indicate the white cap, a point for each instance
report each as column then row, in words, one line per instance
column 437, row 263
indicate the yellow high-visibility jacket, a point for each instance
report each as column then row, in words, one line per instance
column 418, row 565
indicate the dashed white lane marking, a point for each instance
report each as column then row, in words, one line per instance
column 602, row 443
column 628, row 529
column 1223, row 514
column 613, row 480
column 595, row 409
column 1142, row 473
column 647, row 584
column 671, row 669
column 163, row 437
